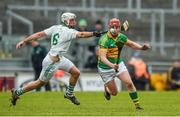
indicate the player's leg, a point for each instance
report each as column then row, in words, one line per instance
column 124, row 76
column 47, row 71
column 30, row 86
column 75, row 73
column 108, row 79
column 66, row 65
column 110, row 89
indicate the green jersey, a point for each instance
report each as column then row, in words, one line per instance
column 107, row 43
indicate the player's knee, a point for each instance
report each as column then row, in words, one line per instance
column 76, row 74
column 40, row 83
column 114, row 93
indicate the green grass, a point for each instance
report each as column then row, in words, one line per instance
column 92, row 103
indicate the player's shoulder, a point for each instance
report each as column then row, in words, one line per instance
column 68, row 29
column 122, row 35
column 103, row 38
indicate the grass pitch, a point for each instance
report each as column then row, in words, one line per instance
column 92, row 104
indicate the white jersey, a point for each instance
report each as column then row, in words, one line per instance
column 61, row 37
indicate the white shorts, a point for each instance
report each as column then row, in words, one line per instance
column 109, row 74
column 49, row 67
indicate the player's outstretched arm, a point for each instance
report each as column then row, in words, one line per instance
column 30, row 38
column 84, row 34
column 137, row 46
column 124, row 27
column 88, row 34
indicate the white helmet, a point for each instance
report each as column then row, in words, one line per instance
column 67, row 16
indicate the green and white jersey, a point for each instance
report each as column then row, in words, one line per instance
column 61, row 37
column 107, row 43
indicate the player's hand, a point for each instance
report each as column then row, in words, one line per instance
column 145, row 47
column 115, row 66
column 20, row 44
column 125, row 26
column 97, row 33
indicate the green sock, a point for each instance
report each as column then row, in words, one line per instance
column 19, row 91
column 135, row 99
column 70, row 90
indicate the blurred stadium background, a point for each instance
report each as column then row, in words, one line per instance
column 152, row 21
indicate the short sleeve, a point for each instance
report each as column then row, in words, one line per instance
column 72, row 33
column 123, row 38
column 49, row 31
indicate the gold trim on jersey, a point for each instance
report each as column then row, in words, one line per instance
column 112, row 52
column 110, row 36
column 104, row 40
column 103, row 49
column 112, row 56
column 112, row 49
